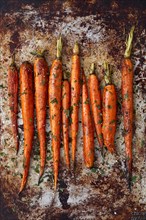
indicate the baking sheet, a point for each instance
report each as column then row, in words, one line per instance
column 101, row 28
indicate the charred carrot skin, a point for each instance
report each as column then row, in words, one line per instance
column 41, row 98
column 96, row 107
column 127, row 104
column 88, row 131
column 13, row 81
column 75, row 97
column 109, row 115
column 127, row 94
column 55, row 95
column 65, row 118
column 27, row 104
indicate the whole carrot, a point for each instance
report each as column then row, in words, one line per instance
column 88, row 130
column 75, row 97
column 55, row 93
column 65, row 118
column 27, row 104
column 127, row 96
column 41, row 98
column 13, row 81
column 95, row 100
column 109, row 111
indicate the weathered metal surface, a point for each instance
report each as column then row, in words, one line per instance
column 100, row 27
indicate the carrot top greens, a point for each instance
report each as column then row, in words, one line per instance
column 76, row 49
column 92, row 68
column 127, row 53
column 107, row 75
column 59, row 47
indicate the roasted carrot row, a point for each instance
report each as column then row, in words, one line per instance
column 75, row 98
column 95, row 100
column 88, row 130
column 27, row 104
column 127, row 96
column 55, row 93
column 65, row 118
column 41, row 99
column 109, row 111
column 13, row 82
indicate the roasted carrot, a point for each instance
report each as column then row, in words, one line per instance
column 27, row 104
column 55, row 93
column 95, row 100
column 65, row 118
column 88, row 130
column 109, row 111
column 75, row 98
column 13, row 81
column 127, row 97
column 41, row 98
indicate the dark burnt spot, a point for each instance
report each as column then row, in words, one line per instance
column 14, row 42
column 63, row 194
column 5, row 211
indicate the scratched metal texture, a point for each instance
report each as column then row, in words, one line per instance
column 101, row 28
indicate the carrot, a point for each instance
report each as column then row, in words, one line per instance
column 27, row 104
column 127, row 97
column 13, row 81
column 88, row 131
column 65, row 118
column 95, row 99
column 41, row 98
column 75, row 97
column 109, row 111
column 55, row 93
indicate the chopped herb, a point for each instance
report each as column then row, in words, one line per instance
column 100, row 121
column 87, row 101
column 98, row 106
column 55, row 75
column 75, row 81
column 54, row 137
column 64, row 95
column 109, row 107
column 134, row 178
column 53, row 116
column 126, row 96
column 94, row 169
column 100, row 136
column 113, row 121
column 67, row 112
column 37, row 168
column 30, row 119
column 2, row 86
column 43, row 82
column 54, row 101
column 23, row 93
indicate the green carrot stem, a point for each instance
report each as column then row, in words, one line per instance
column 127, row 53
column 92, row 68
column 59, row 47
column 108, row 71
column 76, row 49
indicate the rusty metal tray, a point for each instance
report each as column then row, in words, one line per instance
column 101, row 28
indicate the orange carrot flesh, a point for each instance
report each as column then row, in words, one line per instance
column 109, row 111
column 13, row 82
column 127, row 94
column 88, row 131
column 109, row 117
column 55, row 95
column 127, row 104
column 95, row 100
column 75, row 97
column 65, row 118
column 41, row 98
column 27, row 104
